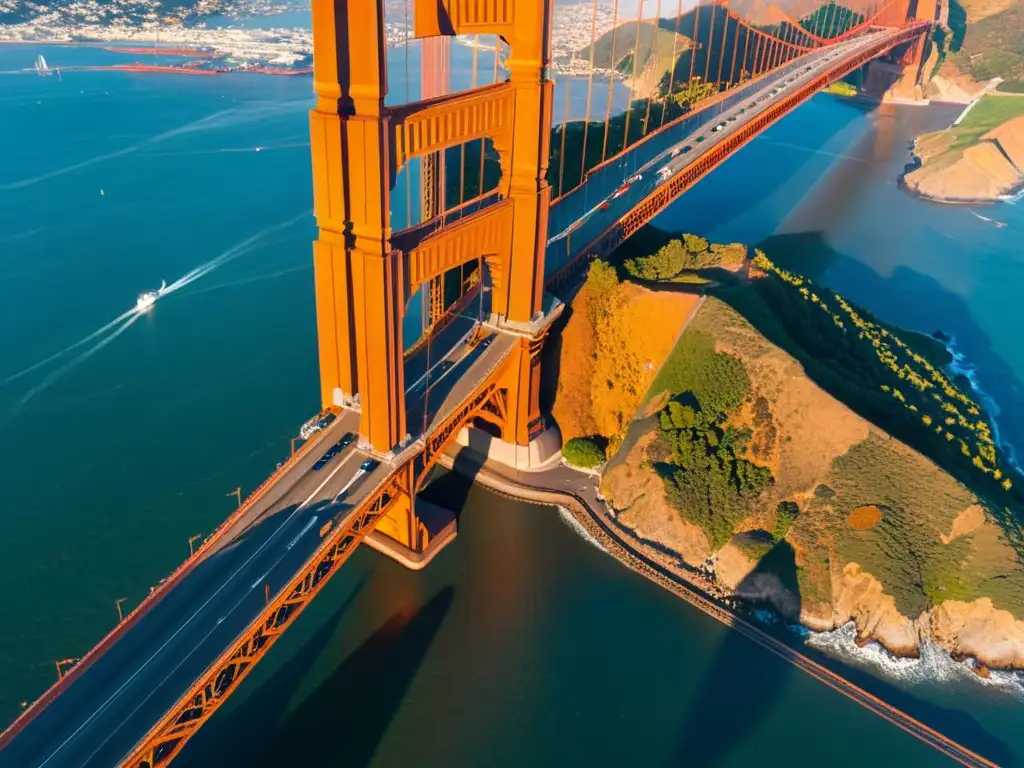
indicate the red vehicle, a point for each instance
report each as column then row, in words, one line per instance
column 621, row 191
column 604, row 206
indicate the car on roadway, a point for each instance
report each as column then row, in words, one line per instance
column 334, row 450
column 604, row 205
column 486, row 342
column 369, row 465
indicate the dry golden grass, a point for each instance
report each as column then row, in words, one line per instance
column 638, row 494
column 806, row 428
column 863, row 518
column 593, row 394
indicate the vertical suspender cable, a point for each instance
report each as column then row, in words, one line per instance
column 590, row 92
column 632, row 82
column 656, row 52
column 735, row 52
column 567, row 80
column 721, row 55
column 672, row 71
column 746, row 52
column 694, row 48
column 611, row 81
column 711, row 40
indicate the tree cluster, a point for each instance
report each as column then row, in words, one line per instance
column 707, row 477
column 689, row 253
column 707, row 480
column 583, row 452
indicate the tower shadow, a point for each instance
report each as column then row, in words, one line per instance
column 227, row 740
column 702, row 740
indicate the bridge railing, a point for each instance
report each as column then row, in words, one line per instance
column 603, row 180
column 598, row 237
column 153, row 597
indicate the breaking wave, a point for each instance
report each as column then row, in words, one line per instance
column 961, row 366
column 934, row 665
column 578, row 529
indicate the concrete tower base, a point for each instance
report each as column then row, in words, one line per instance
column 542, row 452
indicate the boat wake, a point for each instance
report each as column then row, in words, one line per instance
column 107, row 332
column 934, row 664
column 987, row 219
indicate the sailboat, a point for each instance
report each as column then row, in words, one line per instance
column 41, row 67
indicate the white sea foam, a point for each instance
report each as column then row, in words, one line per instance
column 934, row 664
column 580, row 531
column 963, row 367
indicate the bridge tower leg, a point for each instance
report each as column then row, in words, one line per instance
column 359, row 278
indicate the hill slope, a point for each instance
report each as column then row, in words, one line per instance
column 776, row 454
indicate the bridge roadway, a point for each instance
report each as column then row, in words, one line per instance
column 99, row 718
column 582, row 216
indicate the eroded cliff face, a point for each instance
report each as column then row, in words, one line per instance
column 860, row 597
column 984, row 172
column 886, row 572
column 980, row 630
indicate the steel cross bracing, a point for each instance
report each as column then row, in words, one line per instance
column 168, row 736
column 495, row 396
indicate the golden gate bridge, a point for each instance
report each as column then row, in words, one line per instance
column 511, row 203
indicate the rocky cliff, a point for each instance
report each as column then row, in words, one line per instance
column 983, row 172
column 879, row 534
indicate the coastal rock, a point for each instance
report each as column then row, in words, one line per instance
column 736, row 571
column 982, row 173
column 860, row 597
column 638, row 497
column 980, row 630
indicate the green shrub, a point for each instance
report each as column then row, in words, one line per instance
column 583, row 452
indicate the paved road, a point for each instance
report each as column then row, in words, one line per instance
column 577, row 219
column 102, row 714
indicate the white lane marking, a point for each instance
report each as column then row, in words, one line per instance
column 348, row 485
column 157, row 652
column 155, row 688
column 327, row 480
column 427, row 373
column 292, row 543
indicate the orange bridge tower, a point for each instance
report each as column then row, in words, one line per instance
column 365, row 271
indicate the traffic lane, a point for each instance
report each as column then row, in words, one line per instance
column 58, row 721
column 638, row 191
column 64, row 736
column 170, row 676
column 444, row 378
column 442, row 342
column 168, row 683
column 105, row 679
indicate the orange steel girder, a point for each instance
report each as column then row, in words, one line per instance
column 667, row 193
column 391, row 506
column 357, row 147
column 166, row 739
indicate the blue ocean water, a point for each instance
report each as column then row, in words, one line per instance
column 529, row 637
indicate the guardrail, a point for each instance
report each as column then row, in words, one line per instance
column 151, row 599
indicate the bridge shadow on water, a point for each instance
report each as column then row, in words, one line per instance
column 344, row 719
column 702, row 740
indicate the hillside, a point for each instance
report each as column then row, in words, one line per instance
column 979, row 160
column 993, row 44
column 646, row 49
column 799, row 452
